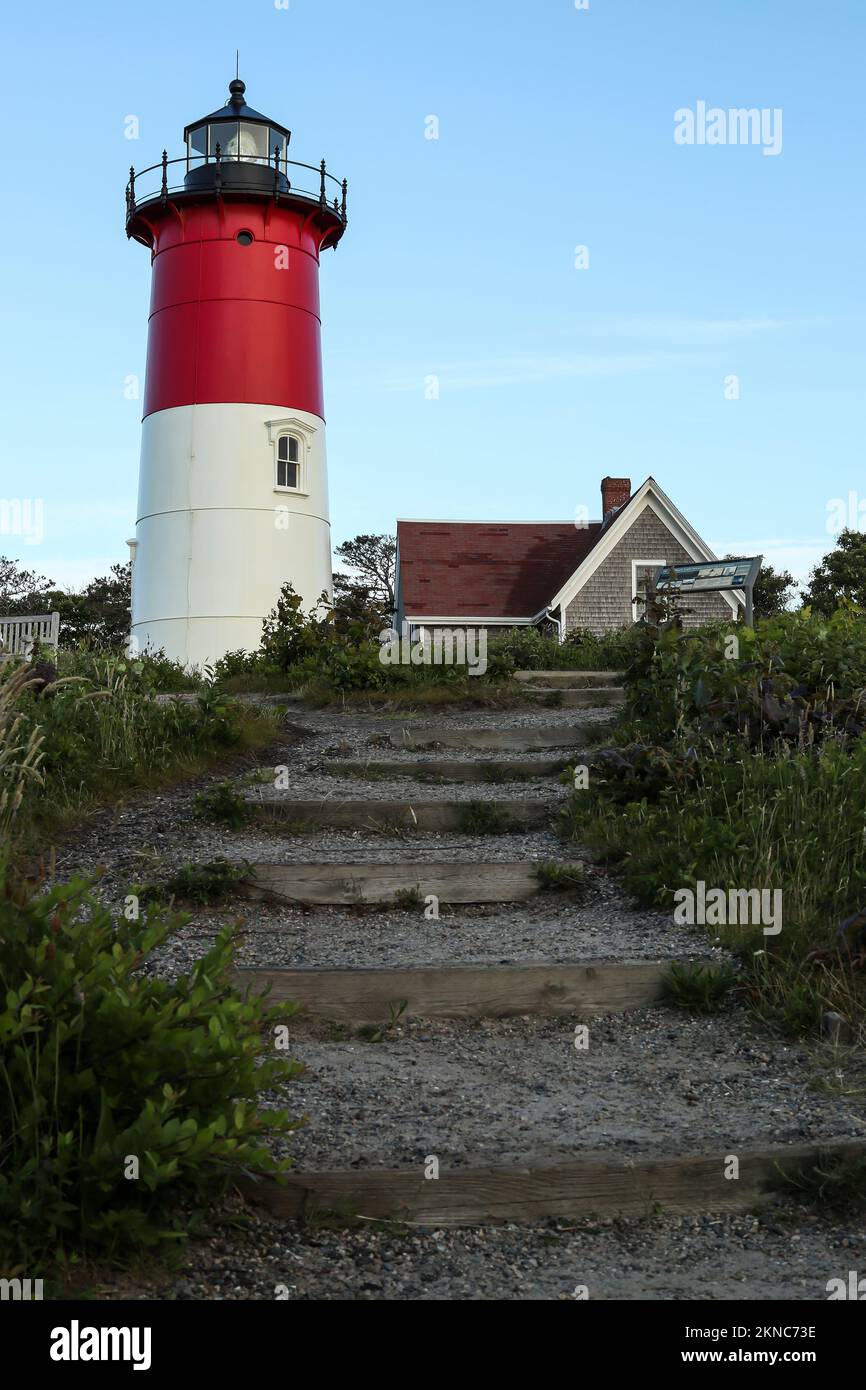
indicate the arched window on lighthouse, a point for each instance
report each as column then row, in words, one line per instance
column 288, row 461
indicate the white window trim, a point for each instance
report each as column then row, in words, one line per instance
column 303, row 432
column 300, row 462
column 635, row 565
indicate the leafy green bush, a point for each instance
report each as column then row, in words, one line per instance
column 336, row 648
column 747, row 769
column 289, row 635
column 225, row 803
column 157, row 672
column 798, row 676
column 583, row 650
column 198, row 883
column 520, row 649
column 241, row 663
column 120, row 1093
column 527, row 649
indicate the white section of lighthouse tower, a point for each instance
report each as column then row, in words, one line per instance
column 217, row 534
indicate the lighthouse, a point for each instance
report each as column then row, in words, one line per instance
column 233, row 488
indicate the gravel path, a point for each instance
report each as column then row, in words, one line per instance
column 152, row 837
column 485, row 1092
column 782, row 1253
column 504, row 1092
column 547, row 929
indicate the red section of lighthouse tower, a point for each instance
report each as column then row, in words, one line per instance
column 229, row 321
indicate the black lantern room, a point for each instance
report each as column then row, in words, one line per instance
column 235, row 152
column 236, row 147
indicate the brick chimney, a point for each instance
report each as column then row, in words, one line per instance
column 615, row 492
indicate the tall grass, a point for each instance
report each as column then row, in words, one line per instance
column 86, row 739
column 20, row 751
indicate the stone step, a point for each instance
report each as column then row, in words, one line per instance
column 355, row 883
column 515, row 739
column 467, row 817
column 453, row 770
column 368, row 995
column 572, row 680
column 598, row 698
column 590, row 1185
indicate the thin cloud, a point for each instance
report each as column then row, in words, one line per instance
column 799, row 555
column 699, row 336
column 531, row 370
column 705, row 331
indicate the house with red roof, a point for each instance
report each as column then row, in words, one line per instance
column 570, row 576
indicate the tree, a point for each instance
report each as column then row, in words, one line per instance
column 771, row 594
column 373, row 560
column 97, row 616
column 22, row 591
column 841, row 574
column 355, row 608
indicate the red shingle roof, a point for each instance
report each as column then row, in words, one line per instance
column 478, row 569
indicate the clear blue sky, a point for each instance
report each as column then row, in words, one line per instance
column 556, row 130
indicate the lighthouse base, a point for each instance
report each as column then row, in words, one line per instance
column 198, row 643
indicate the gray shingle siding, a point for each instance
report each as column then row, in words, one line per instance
column 605, row 601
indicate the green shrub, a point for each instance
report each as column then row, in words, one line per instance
column 199, row 883
column 556, row 877
column 835, row 1186
column 238, row 663
column 747, row 770
column 583, row 650
column 797, row 677
column 103, row 1067
column 224, row 803
column 158, row 673
column 408, row 898
column 289, row 635
column 697, row 987
column 527, row 649
column 521, row 649
column 485, row 818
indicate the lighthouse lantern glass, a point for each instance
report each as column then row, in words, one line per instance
column 277, row 140
column 237, row 140
column 197, row 146
column 252, row 143
column 222, row 134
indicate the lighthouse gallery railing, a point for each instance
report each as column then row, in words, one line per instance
column 153, row 184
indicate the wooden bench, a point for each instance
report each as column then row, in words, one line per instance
column 19, row 635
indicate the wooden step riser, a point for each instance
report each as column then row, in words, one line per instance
column 442, row 770
column 516, row 740
column 576, row 699
column 352, row 883
column 462, row 991
column 572, row 680
column 513, row 816
column 588, row 1186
